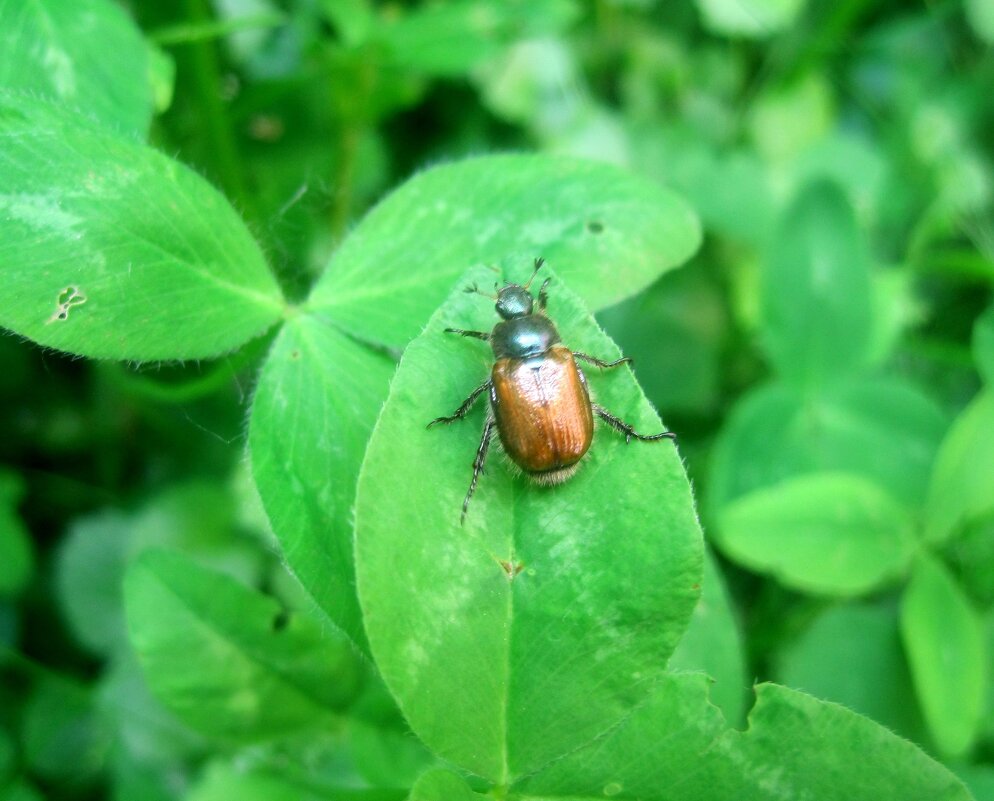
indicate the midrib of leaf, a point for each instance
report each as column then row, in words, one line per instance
column 227, row 638
column 506, row 700
column 264, row 300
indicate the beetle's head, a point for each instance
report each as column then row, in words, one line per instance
column 514, row 301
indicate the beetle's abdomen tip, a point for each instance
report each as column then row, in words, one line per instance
column 559, row 475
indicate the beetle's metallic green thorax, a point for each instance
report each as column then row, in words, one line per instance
column 524, row 337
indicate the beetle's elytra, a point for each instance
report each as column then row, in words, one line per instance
column 539, row 401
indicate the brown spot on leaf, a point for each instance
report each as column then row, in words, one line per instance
column 512, row 568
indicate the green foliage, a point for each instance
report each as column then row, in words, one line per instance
column 112, row 250
column 260, row 675
column 16, row 554
column 712, row 644
column 880, row 428
column 62, row 734
column 980, row 15
column 222, row 782
column 750, row 18
column 440, row 785
column 197, row 517
column 449, row 39
column 832, row 533
column 816, row 291
column 86, row 54
column 231, row 557
column 610, row 234
column 675, row 747
column 962, row 487
column 852, row 654
column 983, row 345
column 946, row 651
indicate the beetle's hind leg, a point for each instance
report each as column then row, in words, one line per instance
column 467, row 404
column 478, row 462
column 600, row 362
column 620, row 425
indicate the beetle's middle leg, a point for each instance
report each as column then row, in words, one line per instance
column 478, row 462
column 465, row 407
column 600, row 362
column 620, row 425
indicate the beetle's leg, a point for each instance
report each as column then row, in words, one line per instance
column 543, row 294
column 629, row 432
column 466, row 405
column 463, row 333
column 600, row 362
column 481, row 457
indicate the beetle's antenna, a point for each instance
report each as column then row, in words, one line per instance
column 538, row 266
column 475, row 290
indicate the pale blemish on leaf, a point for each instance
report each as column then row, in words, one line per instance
column 66, row 299
column 40, row 212
column 60, row 68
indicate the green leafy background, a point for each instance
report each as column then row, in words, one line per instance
column 231, row 560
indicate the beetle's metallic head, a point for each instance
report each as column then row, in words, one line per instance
column 514, row 301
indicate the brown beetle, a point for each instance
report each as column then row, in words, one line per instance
column 539, row 401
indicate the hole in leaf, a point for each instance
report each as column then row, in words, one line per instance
column 64, row 301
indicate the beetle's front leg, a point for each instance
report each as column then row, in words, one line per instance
column 543, row 294
column 478, row 462
column 465, row 407
column 600, row 362
column 620, row 425
column 464, row 333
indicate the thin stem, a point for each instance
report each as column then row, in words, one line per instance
column 221, row 142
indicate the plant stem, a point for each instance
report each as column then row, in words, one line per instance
column 221, row 144
column 344, row 178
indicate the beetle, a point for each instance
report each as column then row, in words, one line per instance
column 539, row 401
